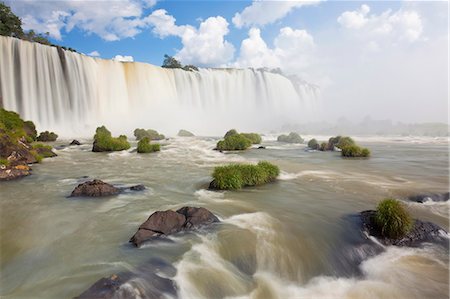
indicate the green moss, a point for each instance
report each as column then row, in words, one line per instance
column 393, row 219
column 291, row 138
column 144, row 146
column 12, row 123
column 104, row 142
column 30, row 129
column 237, row 176
column 234, row 143
column 151, row 134
column 4, row 162
column 230, row 133
column 253, row 137
column 36, row 156
column 354, row 151
column 313, row 144
column 47, row 136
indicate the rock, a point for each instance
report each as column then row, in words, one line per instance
column 95, row 188
column 14, row 172
column 144, row 282
column 45, row 152
column 261, row 147
column 185, row 133
column 168, row 222
column 422, row 231
column 421, row 198
column 75, row 142
column 213, row 186
column 137, row 188
column 16, row 152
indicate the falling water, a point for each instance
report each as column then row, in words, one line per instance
column 73, row 93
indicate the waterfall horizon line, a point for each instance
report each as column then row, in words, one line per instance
column 72, row 93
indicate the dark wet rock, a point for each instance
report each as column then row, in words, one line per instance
column 144, row 282
column 8, row 173
column 75, row 142
column 95, row 188
column 163, row 223
column 421, row 198
column 137, row 188
column 213, row 185
column 422, row 231
column 261, row 147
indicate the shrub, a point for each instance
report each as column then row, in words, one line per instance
column 144, row 146
column 291, row 138
column 354, row 151
column 30, row 129
column 104, row 142
column 151, row 134
column 324, row 146
column 236, row 176
column 233, row 143
column 230, row 133
column 345, row 141
column 12, row 123
column 185, row 133
column 313, row 144
column 47, row 136
column 392, row 219
column 253, row 137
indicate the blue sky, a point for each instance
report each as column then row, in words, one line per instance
column 386, row 57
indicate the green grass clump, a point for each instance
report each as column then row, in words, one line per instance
column 291, row 138
column 37, row 156
column 30, row 129
column 230, row 133
column 47, row 136
column 255, row 138
column 393, row 219
column 313, row 144
column 144, row 146
column 4, row 162
column 237, row 176
column 104, row 142
column 354, row 151
column 234, row 143
column 11, row 123
column 151, row 134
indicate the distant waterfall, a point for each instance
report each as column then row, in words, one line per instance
column 72, row 93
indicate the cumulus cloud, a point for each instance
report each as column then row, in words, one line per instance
column 391, row 26
column 203, row 46
column 265, row 12
column 94, row 54
column 123, row 58
column 111, row 20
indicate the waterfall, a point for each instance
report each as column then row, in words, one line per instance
column 72, row 93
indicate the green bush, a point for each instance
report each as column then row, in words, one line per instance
column 313, row 144
column 255, row 138
column 236, row 176
column 12, row 123
column 392, row 219
column 234, row 143
column 230, row 133
column 185, row 133
column 104, row 142
column 151, row 134
column 144, row 146
column 354, row 151
column 345, row 141
column 47, row 136
column 323, row 146
column 291, row 138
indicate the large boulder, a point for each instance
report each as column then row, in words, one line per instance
column 75, row 142
column 422, row 231
column 163, row 223
column 95, row 188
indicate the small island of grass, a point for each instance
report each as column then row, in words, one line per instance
column 47, row 136
column 151, row 134
column 392, row 219
column 104, row 142
column 144, row 146
column 291, row 138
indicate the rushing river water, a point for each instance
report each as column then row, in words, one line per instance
column 289, row 239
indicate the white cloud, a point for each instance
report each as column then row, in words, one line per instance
column 123, row 58
column 94, row 54
column 265, row 12
column 390, row 27
column 111, row 20
column 203, row 46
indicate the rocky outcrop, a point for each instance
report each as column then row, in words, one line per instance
column 8, row 173
column 185, row 133
column 422, row 231
column 163, row 223
column 45, row 152
column 421, row 198
column 98, row 188
column 75, row 142
column 16, row 152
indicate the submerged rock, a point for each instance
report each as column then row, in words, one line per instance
column 168, row 222
column 75, row 142
column 95, row 188
column 421, row 198
column 261, row 147
column 422, row 231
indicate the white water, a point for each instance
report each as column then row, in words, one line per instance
column 73, row 93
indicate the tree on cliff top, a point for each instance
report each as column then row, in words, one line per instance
column 10, row 24
column 171, row 62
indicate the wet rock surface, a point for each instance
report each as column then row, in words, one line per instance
column 75, row 142
column 163, row 223
column 98, row 188
column 421, row 198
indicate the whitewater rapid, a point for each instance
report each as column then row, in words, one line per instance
column 73, row 93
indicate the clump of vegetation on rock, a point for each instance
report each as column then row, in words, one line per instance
column 171, row 63
column 291, row 138
column 354, row 151
column 313, row 144
column 144, row 146
column 230, row 133
column 393, row 219
column 237, row 176
column 47, row 136
column 30, row 129
column 253, row 137
column 234, row 143
column 43, row 150
column 150, row 134
column 185, row 133
column 104, row 142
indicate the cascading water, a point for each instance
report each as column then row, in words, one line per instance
column 72, row 94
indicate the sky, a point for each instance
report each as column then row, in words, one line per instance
column 388, row 60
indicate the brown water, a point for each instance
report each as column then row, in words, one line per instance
column 289, row 239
